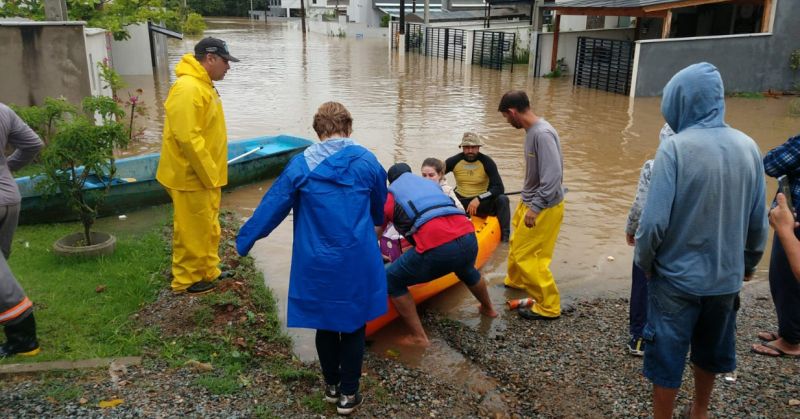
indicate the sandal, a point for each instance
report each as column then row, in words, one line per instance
column 768, row 336
column 772, row 351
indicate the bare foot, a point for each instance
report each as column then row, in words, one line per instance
column 768, row 336
column 411, row 340
column 487, row 311
column 776, row 348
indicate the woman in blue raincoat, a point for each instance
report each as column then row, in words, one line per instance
column 336, row 190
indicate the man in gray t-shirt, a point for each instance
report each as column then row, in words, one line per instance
column 16, row 310
column 537, row 219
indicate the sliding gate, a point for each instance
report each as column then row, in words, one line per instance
column 604, row 64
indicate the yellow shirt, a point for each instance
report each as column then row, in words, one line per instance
column 194, row 148
column 471, row 178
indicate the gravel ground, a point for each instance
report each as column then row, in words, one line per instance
column 572, row 367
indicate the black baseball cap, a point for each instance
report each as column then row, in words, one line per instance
column 214, row 46
column 396, row 170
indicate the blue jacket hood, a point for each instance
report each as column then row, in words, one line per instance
column 694, row 98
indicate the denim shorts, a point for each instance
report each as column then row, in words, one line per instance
column 677, row 321
column 411, row 268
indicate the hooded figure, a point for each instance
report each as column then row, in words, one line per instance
column 336, row 190
column 707, row 192
column 337, row 280
column 702, row 231
column 193, row 165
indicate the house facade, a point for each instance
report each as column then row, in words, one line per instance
column 750, row 41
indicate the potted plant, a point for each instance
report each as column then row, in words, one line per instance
column 78, row 165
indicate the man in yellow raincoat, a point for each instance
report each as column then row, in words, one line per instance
column 193, row 165
column 537, row 219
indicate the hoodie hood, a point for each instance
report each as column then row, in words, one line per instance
column 694, row 98
column 189, row 66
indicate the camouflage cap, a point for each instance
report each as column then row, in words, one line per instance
column 471, row 139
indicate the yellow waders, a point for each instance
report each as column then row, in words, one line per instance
column 529, row 256
column 195, row 241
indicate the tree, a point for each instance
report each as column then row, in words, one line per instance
column 112, row 15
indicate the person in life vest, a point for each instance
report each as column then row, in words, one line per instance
column 444, row 242
column 16, row 310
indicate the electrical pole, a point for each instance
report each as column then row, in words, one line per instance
column 303, row 16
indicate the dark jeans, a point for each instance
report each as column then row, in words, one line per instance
column 340, row 355
column 785, row 293
column 457, row 255
column 638, row 309
column 497, row 206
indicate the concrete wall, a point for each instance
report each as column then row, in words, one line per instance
column 568, row 46
column 42, row 59
column 361, row 11
column 347, row 29
column 748, row 63
column 132, row 56
column 97, row 49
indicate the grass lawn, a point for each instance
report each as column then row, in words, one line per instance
column 83, row 306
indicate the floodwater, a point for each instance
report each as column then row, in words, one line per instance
column 408, row 108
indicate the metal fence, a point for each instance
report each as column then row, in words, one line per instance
column 413, row 34
column 395, row 34
column 447, row 43
column 414, row 37
column 604, row 64
column 491, row 49
column 494, row 49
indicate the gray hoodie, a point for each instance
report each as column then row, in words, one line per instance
column 27, row 144
column 704, row 225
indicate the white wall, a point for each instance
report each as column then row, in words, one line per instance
column 573, row 23
column 132, row 56
column 567, row 46
column 361, row 11
column 97, row 49
column 348, row 29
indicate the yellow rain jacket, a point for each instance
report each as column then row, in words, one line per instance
column 193, row 168
column 194, row 149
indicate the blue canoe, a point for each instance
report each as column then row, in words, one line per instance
column 135, row 184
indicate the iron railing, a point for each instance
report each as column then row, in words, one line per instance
column 494, row 49
column 447, row 43
column 604, row 64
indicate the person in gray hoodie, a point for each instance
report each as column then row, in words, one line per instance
column 16, row 310
column 702, row 231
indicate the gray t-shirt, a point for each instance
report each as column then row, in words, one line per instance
column 27, row 144
column 543, row 167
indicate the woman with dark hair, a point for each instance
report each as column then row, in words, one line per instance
column 336, row 190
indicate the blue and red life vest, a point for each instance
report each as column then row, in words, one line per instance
column 417, row 201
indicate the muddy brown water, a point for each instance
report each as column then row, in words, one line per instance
column 408, row 108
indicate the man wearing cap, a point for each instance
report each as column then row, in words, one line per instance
column 478, row 183
column 537, row 219
column 193, row 166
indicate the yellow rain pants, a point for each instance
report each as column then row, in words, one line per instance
column 195, row 240
column 529, row 256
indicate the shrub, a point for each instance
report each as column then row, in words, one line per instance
column 194, row 24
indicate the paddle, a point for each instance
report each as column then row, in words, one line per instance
column 519, row 192
column 243, row 155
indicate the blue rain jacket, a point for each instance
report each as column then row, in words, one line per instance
column 336, row 190
column 704, row 225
